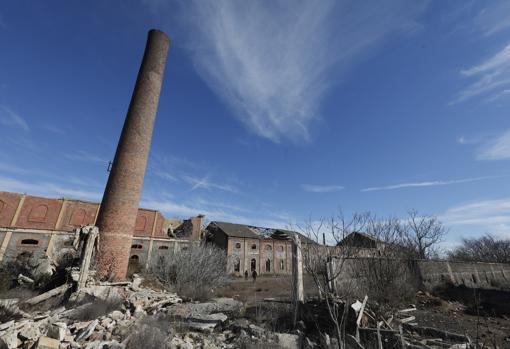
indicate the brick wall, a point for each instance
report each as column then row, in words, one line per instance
column 8, row 204
column 65, row 214
column 39, row 213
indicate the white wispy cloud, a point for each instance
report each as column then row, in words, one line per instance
column 273, row 62
column 321, row 188
column 495, row 149
column 54, row 129
column 172, row 208
column 46, row 189
column 494, row 18
column 493, row 77
column 12, row 119
column 206, row 183
column 82, row 155
column 427, row 184
column 10, row 168
column 166, row 176
column 490, row 216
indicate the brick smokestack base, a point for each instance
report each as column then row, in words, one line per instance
column 117, row 215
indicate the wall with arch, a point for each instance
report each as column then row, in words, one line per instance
column 32, row 212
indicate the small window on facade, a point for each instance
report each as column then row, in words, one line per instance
column 163, row 247
column 237, row 265
column 136, row 247
column 238, row 245
column 29, row 242
column 254, row 246
column 282, row 265
column 135, row 257
column 185, row 248
column 268, row 265
column 268, row 248
column 280, row 248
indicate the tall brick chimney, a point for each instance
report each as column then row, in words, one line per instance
column 117, row 214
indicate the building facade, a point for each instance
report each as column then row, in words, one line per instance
column 249, row 248
column 44, row 227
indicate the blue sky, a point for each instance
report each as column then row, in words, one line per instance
column 271, row 112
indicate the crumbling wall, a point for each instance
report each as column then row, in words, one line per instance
column 430, row 274
column 473, row 275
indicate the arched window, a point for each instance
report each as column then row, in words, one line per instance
column 268, row 248
column 237, row 265
column 268, row 265
column 238, row 245
column 135, row 258
column 254, row 246
column 163, row 247
column 29, row 242
column 38, row 214
column 140, row 223
column 282, row 265
column 137, row 247
column 253, row 264
column 78, row 217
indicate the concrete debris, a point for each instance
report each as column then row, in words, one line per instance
column 112, row 315
column 24, row 280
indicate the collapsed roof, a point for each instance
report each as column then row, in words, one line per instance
column 254, row 232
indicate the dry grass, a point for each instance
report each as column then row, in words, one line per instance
column 195, row 272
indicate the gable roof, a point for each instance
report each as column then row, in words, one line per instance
column 253, row 232
column 359, row 239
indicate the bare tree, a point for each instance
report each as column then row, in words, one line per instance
column 422, row 235
column 317, row 259
column 484, row 249
column 385, row 275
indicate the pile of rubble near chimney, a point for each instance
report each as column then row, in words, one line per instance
column 139, row 311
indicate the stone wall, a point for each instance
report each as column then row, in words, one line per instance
column 429, row 274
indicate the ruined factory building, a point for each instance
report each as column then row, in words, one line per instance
column 249, row 248
column 42, row 226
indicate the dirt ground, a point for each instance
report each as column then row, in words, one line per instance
column 454, row 316
column 264, row 287
column 443, row 313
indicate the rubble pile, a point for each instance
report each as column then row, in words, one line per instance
column 136, row 317
column 400, row 330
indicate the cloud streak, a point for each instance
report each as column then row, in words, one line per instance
column 493, row 77
column 273, row 62
column 205, row 183
column 496, row 149
column 311, row 188
column 46, row 189
column 11, row 119
column 426, row 184
column 492, row 216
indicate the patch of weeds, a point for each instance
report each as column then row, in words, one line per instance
column 151, row 334
column 8, row 312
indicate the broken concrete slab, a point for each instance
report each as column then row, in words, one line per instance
column 47, row 343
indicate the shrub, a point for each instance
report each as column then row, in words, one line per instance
column 149, row 335
column 8, row 312
column 194, row 272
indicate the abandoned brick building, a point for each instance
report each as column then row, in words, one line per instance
column 43, row 226
column 248, row 248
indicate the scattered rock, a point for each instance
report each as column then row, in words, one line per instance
column 47, row 343
column 288, row 341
